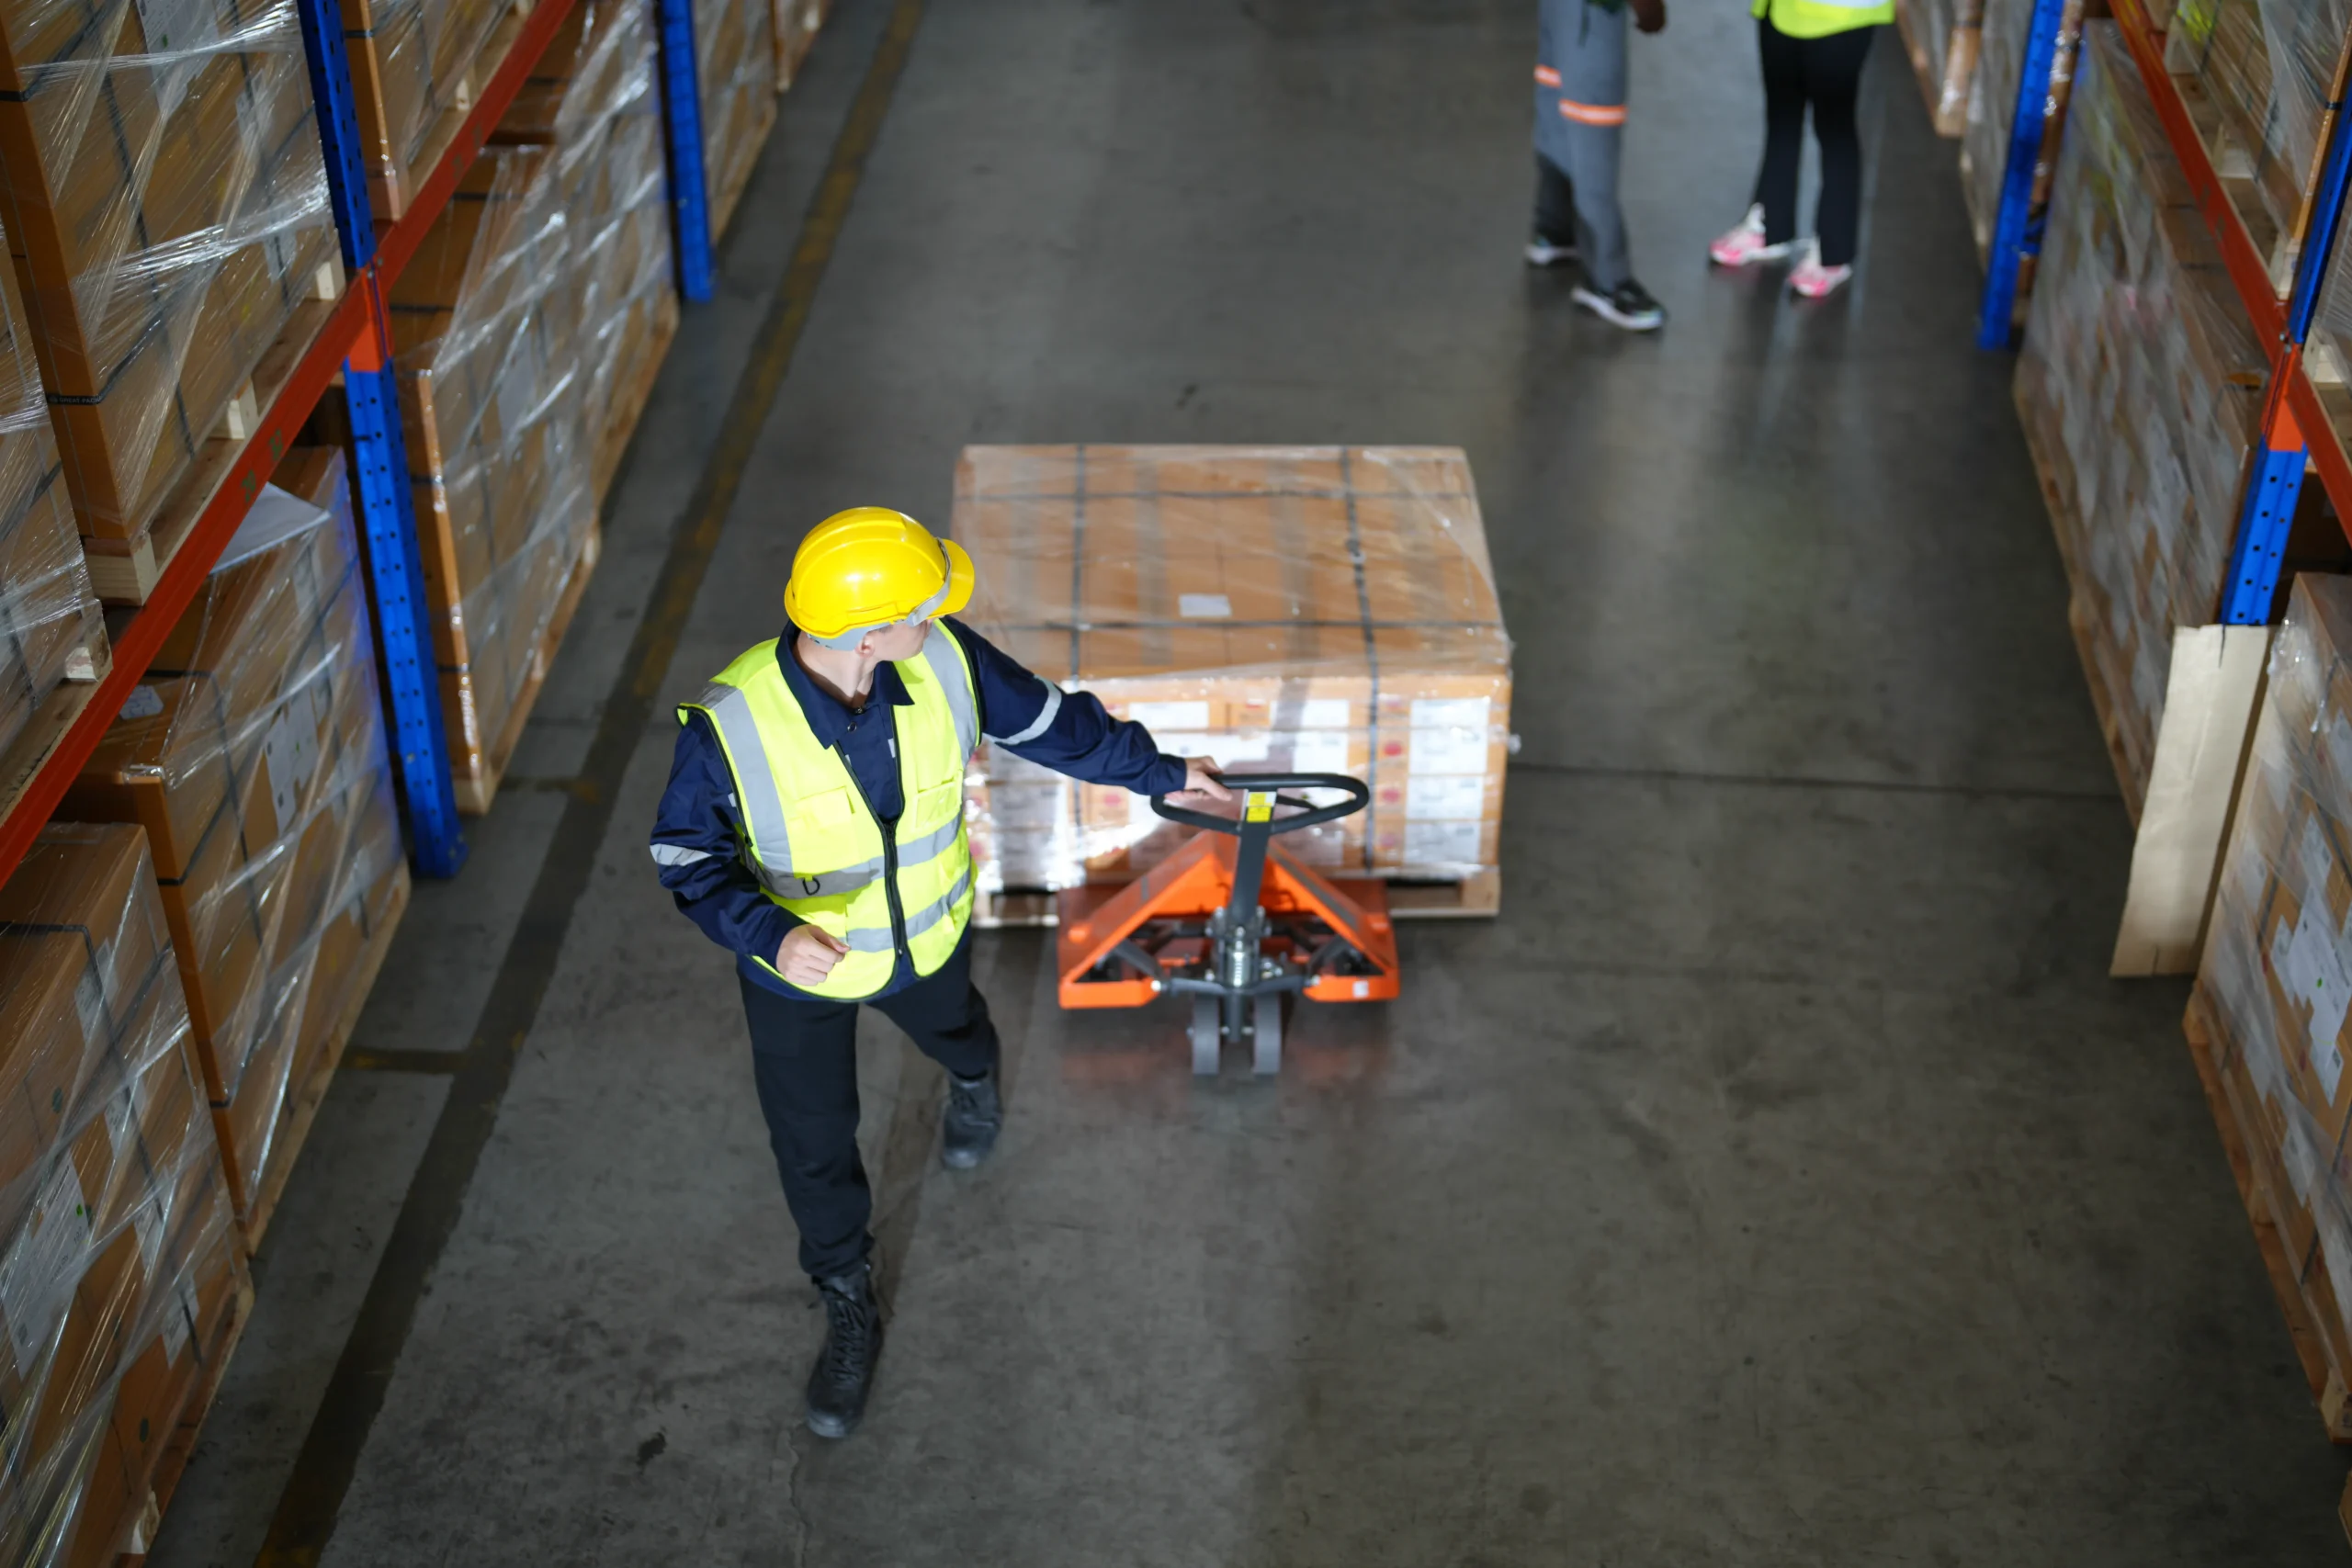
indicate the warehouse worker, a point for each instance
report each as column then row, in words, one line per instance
column 1580, row 71
column 814, row 827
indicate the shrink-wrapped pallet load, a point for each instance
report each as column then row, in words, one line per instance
column 1317, row 609
column 119, row 1278
column 2141, row 389
column 255, row 756
column 167, row 210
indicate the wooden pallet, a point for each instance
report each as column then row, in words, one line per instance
column 1947, row 95
column 475, row 791
column 173, row 1463
column 1472, row 898
column 2327, row 1385
column 629, row 406
column 125, row 571
column 303, row 1099
column 391, row 192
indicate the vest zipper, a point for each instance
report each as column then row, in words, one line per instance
column 889, row 857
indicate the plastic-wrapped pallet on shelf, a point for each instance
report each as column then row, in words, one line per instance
column 1992, row 111
column 2269, row 1018
column 1322, row 609
column 735, row 62
column 166, row 212
column 415, row 67
column 1941, row 38
column 121, row 1285
column 595, row 100
column 2258, row 78
column 2141, row 392
column 50, row 630
column 796, row 24
column 254, row 757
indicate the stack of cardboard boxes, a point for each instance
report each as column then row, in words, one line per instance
column 50, row 630
column 1992, row 111
column 415, row 66
column 2141, row 390
column 1943, row 37
column 118, row 1274
column 255, row 756
column 2269, row 69
column 166, row 214
column 1315, row 609
column 735, row 58
column 2276, row 973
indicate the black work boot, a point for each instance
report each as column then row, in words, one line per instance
column 844, row 1370
column 974, row 1116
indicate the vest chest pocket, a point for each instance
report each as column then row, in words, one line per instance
column 825, row 809
column 939, row 803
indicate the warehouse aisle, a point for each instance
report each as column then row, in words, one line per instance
column 1779, row 1180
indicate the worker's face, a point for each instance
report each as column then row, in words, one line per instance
column 901, row 641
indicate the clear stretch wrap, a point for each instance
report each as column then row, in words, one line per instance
column 167, row 210
column 255, row 756
column 118, row 1274
column 2141, row 389
column 736, row 61
column 2277, row 964
column 415, row 67
column 50, row 628
column 2269, row 69
column 797, row 23
column 1944, row 36
column 2329, row 352
column 1992, row 110
column 1321, row 609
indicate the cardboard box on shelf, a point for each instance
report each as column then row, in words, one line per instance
column 256, row 755
column 117, row 1263
column 415, row 68
column 1317, row 609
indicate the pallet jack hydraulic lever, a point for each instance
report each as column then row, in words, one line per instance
column 1235, row 920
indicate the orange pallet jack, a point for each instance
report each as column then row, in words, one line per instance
column 1237, row 922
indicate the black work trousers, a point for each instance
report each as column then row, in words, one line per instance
column 804, row 1059
column 1826, row 74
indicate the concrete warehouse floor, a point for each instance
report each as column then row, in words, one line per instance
column 1780, row 1180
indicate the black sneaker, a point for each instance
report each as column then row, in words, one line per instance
column 1543, row 251
column 1628, row 305
column 974, row 1117
column 845, row 1369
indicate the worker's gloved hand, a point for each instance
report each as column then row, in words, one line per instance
column 808, row 954
column 1201, row 784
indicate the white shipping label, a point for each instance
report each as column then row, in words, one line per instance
column 1227, row 746
column 2302, row 1160
column 2313, row 973
column 293, row 754
column 1319, row 752
column 1448, row 751
column 2312, row 861
column 1450, row 713
column 1444, row 795
column 1205, row 606
column 43, row 1264
column 2251, row 871
column 1157, row 717
column 1441, row 843
column 1323, row 713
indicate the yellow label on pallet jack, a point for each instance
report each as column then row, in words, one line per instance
column 1261, row 807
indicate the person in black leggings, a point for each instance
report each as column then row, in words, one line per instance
column 1823, row 71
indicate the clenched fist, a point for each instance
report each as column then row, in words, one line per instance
column 808, row 954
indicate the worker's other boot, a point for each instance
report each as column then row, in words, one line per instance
column 974, row 1117
column 838, row 1384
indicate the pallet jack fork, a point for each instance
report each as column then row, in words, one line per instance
column 1236, row 922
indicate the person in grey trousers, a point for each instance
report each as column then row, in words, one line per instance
column 1580, row 125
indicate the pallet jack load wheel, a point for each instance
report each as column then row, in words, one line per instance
column 1206, row 1034
column 1266, row 1023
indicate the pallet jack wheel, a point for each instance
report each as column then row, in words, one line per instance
column 1266, row 1025
column 1207, row 1034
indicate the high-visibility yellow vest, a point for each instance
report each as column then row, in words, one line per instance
column 1819, row 18
column 814, row 842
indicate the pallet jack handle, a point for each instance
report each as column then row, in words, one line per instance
column 1260, row 793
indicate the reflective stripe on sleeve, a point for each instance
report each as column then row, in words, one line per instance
column 676, row 854
column 1547, row 76
column 946, row 663
column 1592, row 114
column 1045, row 719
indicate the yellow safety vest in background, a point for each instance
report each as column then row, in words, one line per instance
column 815, row 844
column 1819, row 18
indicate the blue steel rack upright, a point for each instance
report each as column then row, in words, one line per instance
column 2017, row 227
column 682, row 135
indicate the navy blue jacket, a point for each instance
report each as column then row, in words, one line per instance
column 697, row 837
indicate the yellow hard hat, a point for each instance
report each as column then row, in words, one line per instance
column 872, row 567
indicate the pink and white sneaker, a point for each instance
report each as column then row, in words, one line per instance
column 1816, row 281
column 1745, row 246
